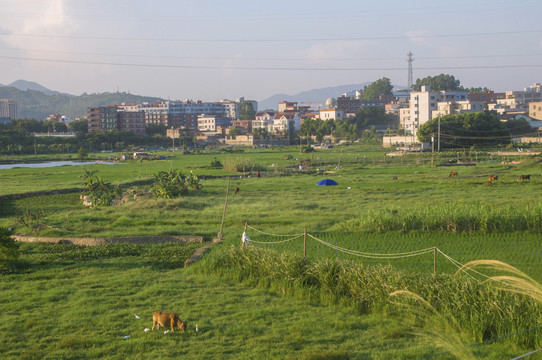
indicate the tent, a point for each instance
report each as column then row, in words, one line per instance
column 327, row 182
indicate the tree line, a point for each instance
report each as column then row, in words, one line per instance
column 17, row 137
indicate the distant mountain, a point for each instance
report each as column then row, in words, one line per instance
column 315, row 96
column 29, row 85
column 36, row 104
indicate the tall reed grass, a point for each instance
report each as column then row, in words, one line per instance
column 239, row 164
column 485, row 312
column 454, row 217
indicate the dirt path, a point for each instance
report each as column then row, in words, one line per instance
column 104, row 241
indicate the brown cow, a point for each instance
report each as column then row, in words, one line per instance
column 453, row 173
column 237, row 190
column 525, row 177
column 164, row 319
column 394, row 178
column 492, row 178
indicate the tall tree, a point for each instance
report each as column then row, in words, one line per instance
column 377, row 88
column 437, row 83
column 466, row 130
column 246, row 111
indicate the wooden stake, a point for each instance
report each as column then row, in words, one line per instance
column 435, row 260
column 305, row 244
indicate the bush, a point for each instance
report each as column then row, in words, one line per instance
column 9, row 250
column 98, row 191
column 216, row 164
column 172, row 183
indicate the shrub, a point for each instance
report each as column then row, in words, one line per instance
column 172, row 183
column 216, row 164
column 99, row 192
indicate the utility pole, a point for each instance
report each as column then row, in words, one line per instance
column 438, row 134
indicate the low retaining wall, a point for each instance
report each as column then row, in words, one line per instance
column 104, row 241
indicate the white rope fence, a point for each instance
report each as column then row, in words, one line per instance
column 373, row 255
column 276, row 242
column 277, row 235
column 464, row 269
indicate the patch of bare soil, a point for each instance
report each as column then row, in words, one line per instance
column 104, row 241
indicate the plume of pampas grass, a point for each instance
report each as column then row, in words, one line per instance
column 513, row 280
column 427, row 323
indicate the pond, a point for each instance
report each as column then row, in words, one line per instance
column 53, row 164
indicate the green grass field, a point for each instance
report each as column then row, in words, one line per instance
column 368, row 211
column 77, row 303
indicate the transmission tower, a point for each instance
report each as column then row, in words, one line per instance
column 410, row 60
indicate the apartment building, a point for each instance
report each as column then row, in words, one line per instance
column 422, row 105
column 535, row 110
column 102, row 118
column 212, row 123
column 8, row 110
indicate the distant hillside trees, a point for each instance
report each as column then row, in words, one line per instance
column 438, row 83
column 466, row 130
column 37, row 105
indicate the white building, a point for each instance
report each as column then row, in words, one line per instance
column 326, row 114
column 422, row 105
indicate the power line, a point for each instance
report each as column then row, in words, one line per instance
column 268, row 68
column 267, row 58
column 399, row 37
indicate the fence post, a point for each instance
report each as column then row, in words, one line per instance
column 434, row 260
column 305, row 244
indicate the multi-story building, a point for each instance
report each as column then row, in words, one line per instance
column 489, row 97
column 102, row 118
column 520, row 99
column 132, row 118
column 326, row 114
column 212, row 123
column 422, row 105
column 243, row 124
column 535, row 110
column 8, row 110
column 353, row 105
column 172, row 114
column 290, row 106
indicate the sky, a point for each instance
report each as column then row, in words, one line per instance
column 215, row 49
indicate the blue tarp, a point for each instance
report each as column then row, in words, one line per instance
column 327, row 182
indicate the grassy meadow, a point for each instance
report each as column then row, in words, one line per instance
column 242, row 315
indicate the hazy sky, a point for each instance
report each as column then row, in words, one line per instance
column 210, row 49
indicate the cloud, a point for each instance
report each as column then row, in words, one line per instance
column 436, row 45
column 420, row 38
column 53, row 18
column 342, row 49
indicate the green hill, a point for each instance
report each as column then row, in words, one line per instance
column 37, row 105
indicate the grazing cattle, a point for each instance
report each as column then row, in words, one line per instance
column 164, row 319
column 525, row 177
column 394, row 178
column 453, row 173
column 237, row 189
column 492, row 178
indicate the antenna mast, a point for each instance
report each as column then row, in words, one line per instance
column 410, row 60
